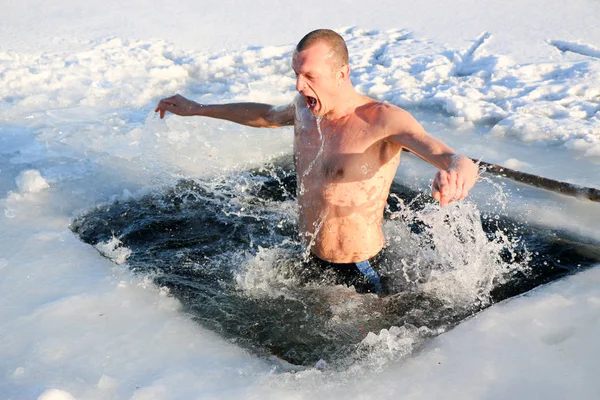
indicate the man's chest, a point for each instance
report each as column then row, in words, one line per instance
column 353, row 154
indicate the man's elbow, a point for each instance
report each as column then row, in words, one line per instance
column 263, row 123
column 275, row 123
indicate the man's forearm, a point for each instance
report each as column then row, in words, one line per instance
column 448, row 159
column 250, row 114
column 433, row 151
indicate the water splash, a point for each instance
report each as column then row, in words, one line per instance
column 308, row 237
column 312, row 237
column 447, row 252
column 114, row 250
column 308, row 170
column 228, row 249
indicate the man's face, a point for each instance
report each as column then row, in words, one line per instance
column 316, row 77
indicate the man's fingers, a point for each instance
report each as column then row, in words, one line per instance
column 439, row 188
column 164, row 104
column 168, row 100
column 454, row 184
column 465, row 190
column 435, row 193
column 167, row 104
column 469, row 184
column 447, row 186
column 443, row 201
column 466, row 187
column 437, row 184
column 460, row 183
column 451, row 187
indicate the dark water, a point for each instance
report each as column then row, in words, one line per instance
column 200, row 236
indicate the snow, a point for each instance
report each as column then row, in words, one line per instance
column 502, row 81
column 31, row 181
column 55, row 394
column 576, row 47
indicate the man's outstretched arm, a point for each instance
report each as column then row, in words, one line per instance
column 257, row 115
column 457, row 173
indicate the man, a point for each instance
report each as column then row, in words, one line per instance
column 346, row 149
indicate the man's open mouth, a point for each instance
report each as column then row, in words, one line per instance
column 311, row 102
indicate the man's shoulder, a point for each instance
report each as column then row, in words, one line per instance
column 388, row 110
column 383, row 114
column 388, row 120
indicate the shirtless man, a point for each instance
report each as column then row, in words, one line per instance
column 346, row 148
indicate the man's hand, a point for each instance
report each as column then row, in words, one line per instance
column 177, row 105
column 454, row 184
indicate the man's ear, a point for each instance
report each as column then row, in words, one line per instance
column 343, row 73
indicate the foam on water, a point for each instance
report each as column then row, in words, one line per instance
column 114, row 250
column 456, row 260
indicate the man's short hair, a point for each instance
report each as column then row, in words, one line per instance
column 332, row 39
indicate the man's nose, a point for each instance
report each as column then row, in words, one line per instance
column 299, row 83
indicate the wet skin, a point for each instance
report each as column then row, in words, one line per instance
column 344, row 170
column 343, row 191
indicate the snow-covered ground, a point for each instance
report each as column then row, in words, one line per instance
column 511, row 82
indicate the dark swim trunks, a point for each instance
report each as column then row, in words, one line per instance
column 363, row 275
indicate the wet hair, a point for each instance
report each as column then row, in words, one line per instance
column 332, row 39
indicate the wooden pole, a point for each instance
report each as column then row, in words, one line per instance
column 568, row 189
